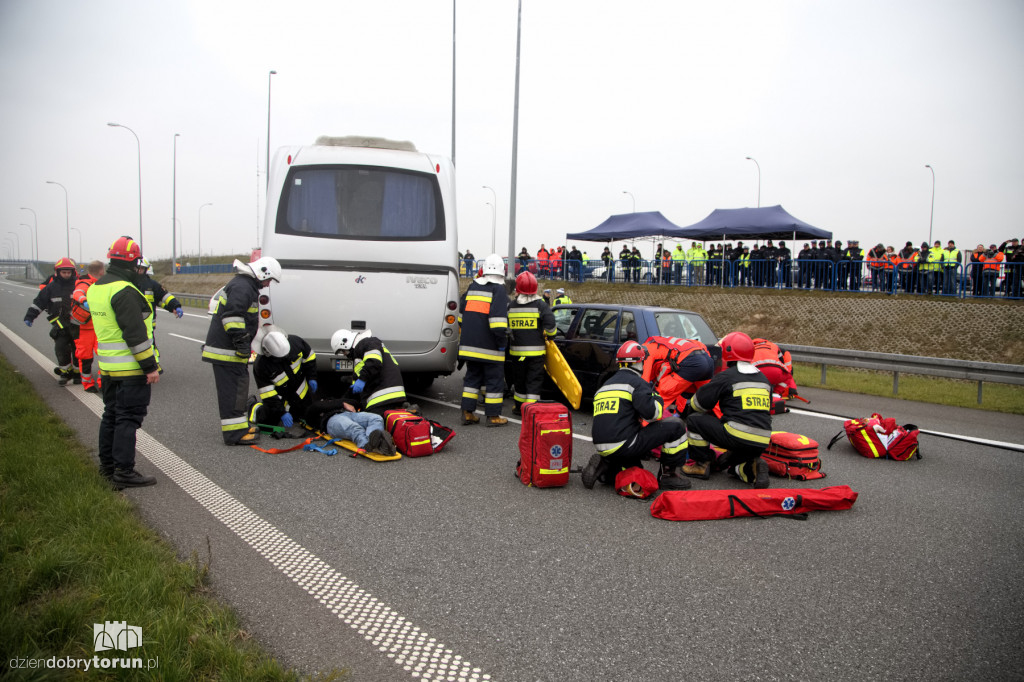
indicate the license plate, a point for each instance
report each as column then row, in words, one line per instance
column 343, row 365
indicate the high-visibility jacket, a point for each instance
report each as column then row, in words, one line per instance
column 934, row 263
column 769, row 353
column 123, row 321
column 664, row 354
column 379, row 370
column 562, row 300
column 745, row 401
column 483, row 317
column 695, row 253
column 743, row 261
column 950, row 258
column 286, row 379
column 907, row 264
column 619, row 406
column 993, row 262
column 79, row 314
column 234, row 321
column 530, row 325
column 542, row 258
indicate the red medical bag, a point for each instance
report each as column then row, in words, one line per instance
column 545, row 445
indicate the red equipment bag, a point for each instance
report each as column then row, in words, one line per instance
column 791, row 455
column 704, row 505
column 545, row 445
column 880, row 437
column 416, row 436
column 636, row 482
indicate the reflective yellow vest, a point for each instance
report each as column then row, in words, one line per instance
column 115, row 358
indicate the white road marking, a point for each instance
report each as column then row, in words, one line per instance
column 419, row 654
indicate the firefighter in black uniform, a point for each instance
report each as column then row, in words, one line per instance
column 234, row 319
column 155, row 292
column 483, row 317
column 530, row 322
column 55, row 299
column 285, row 374
column 621, row 441
column 744, row 396
column 377, row 385
column 626, row 258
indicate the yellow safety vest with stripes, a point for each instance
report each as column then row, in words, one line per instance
column 116, row 358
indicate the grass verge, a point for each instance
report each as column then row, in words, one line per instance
column 955, row 392
column 74, row 553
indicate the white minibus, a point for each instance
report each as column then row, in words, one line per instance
column 365, row 231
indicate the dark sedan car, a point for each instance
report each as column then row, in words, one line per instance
column 589, row 335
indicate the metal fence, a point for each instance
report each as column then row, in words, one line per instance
column 994, row 280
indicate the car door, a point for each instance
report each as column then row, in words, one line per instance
column 591, row 344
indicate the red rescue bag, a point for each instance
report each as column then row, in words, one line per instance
column 636, row 482
column 545, row 445
column 791, row 455
column 416, row 436
column 880, row 437
column 701, row 505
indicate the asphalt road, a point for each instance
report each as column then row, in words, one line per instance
column 447, row 568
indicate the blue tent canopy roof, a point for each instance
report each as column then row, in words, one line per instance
column 628, row 226
column 769, row 222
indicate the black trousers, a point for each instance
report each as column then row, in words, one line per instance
column 652, row 436
column 125, row 405
column 528, row 378
column 706, row 429
column 64, row 344
column 491, row 376
column 232, row 382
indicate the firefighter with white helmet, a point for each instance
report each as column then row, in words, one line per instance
column 744, row 396
column 483, row 317
column 622, row 441
column 285, row 374
column 377, row 385
column 233, row 324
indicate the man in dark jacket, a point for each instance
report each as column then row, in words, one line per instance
column 531, row 323
column 377, row 386
column 123, row 322
column 55, row 299
column 233, row 322
column 804, row 259
column 483, row 318
column 285, row 374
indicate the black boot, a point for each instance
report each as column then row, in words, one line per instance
column 595, row 469
column 669, row 478
column 130, row 478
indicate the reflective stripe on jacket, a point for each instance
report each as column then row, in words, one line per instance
column 123, row 348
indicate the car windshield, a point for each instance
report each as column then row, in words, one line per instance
column 682, row 326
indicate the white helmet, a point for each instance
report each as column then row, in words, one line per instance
column 262, row 269
column 276, row 344
column 494, row 265
column 143, row 264
column 345, row 340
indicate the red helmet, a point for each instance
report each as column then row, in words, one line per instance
column 736, row 346
column 126, row 249
column 630, row 352
column 65, row 264
column 526, row 283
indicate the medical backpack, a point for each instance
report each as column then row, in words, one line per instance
column 545, row 445
column 879, row 437
column 791, row 455
column 416, row 436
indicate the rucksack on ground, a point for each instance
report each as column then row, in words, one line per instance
column 416, row 436
column 794, row 456
column 879, row 437
column 545, row 445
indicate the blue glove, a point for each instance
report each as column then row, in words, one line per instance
column 312, row 385
column 178, row 312
column 28, row 323
column 358, row 385
column 501, row 350
column 85, row 305
column 287, row 421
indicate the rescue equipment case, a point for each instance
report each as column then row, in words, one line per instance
column 879, row 437
column 545, row 445
column 791, row 455
column 416, row 436
column 706, row 505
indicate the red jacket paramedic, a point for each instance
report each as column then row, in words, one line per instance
column 777, row 366
column 85, row 343
column 677, row 368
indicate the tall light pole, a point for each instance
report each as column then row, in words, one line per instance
column 138, row 146
column 67, row 220
column 269, row 80
column 494, row 216
column 35, row 223
column 75, row 229
column 931, row 218
column 201, row 233
column 32, row 253
column 631, row 197
column 17, row 242
column 751, row 158
column 174, row 207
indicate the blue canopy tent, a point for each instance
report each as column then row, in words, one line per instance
column 628, row 226
column 769, row 222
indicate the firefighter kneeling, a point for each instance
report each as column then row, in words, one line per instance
column 621, row 441
column 744, row 397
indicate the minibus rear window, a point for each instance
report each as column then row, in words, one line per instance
column 360, row 202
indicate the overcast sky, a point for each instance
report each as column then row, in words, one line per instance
column 841, row 103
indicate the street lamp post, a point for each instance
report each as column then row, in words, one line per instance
column 269, row 81
column 17, row 242
column 931, row 218
column 631, row 197
column 67, row 219
column 494, row 216
column 75, row 229
column 174, row 208
column 751, row 158
column 138, row 146
column 35, row 229
column 32, row 253
column 201, row 234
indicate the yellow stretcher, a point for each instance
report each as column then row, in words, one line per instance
column 561, row 374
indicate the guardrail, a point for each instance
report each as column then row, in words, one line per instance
column 910, row 364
